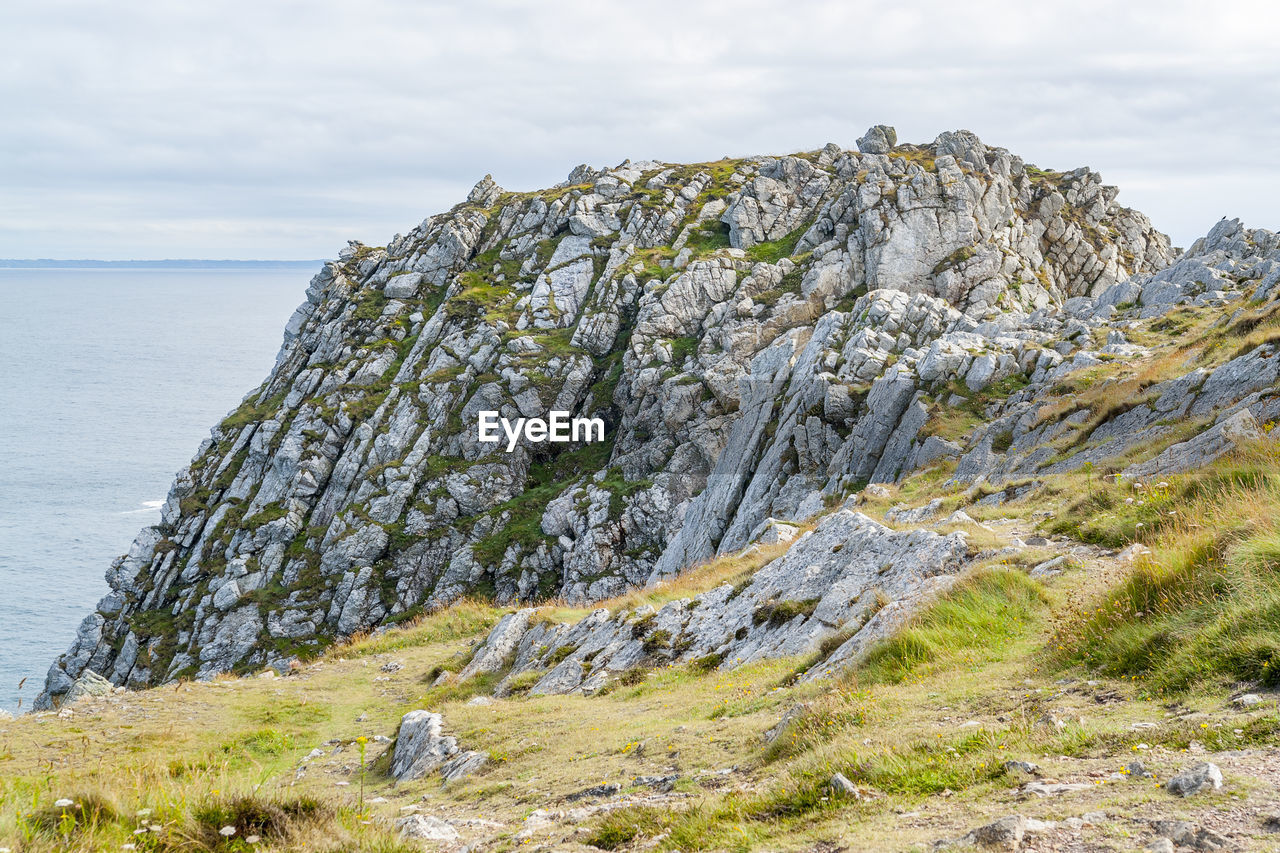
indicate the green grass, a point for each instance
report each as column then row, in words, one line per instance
column 523, row 525
column 620, row 489
column 477, row 296
column 773, row 251
column 981, row 614
column 465, row 618
column 682, row 348
column 250, row 412
column 1204, row 607
column 547, row 481
column 369, row 305
column 708, row 237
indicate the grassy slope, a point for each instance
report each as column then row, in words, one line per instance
column 923, row 729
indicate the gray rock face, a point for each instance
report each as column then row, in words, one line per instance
column 878, row 140
column 422, row 748
column 88, row 684
column 834, row 579
column 1226, row 404
column 780, row 328
column 1199, row 451
column 501, row 644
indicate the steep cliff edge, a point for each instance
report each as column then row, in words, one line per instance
column 759, row 335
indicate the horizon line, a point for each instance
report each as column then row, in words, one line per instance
column 15, row 263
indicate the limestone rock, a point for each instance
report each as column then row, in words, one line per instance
column 878, row 140
column 1007, row 833
column 1180, row 833
column 421, row 746
column 830, row 578
column 840, row 784
column 418, row 827
column 499, row 645
column 88, row 684
column 1199, row 451
column 463, row 765
column 1195, row 780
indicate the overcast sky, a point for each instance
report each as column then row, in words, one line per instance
column 273, row 129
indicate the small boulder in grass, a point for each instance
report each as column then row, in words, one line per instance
column 425, row 828
column 1138, row 770
column 840, row 784
column 1195, row 780
column 1027, row 767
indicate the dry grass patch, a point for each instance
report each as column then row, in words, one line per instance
column 728, row 569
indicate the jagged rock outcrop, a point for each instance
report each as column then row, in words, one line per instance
column 422, row 748
column 850, row 577
column 750, row 331
column 1213, row 403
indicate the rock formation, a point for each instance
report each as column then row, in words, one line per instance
column 849, row 578
column 761, row 336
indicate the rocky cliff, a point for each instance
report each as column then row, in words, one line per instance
column 762, row 337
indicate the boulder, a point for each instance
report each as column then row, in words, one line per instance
column 879, row 139
column 463, row 765
column 1007, row 833
column 1049, row 568
column 421, row 746
column 840, row 784
column 499, row 646
column 418, row 827
column 402, row 286
column 1181, row 834
column 1199, row 779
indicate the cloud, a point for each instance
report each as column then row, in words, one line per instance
column 152, row 129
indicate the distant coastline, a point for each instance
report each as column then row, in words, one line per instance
column 174, row 263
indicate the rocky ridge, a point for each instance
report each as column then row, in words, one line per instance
column 760, row 336
column 849, row 578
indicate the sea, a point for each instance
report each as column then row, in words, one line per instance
column 109, row 381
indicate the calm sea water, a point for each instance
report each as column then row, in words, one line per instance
column 109, row 380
